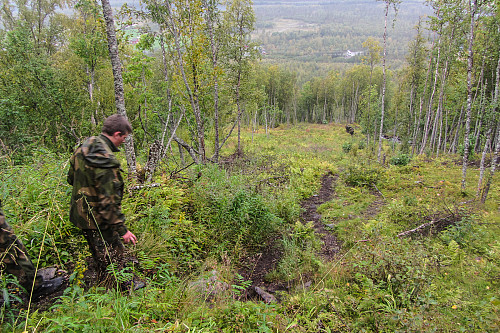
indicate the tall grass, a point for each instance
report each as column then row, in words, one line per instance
column 205, row 224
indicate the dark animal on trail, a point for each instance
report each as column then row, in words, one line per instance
column 349, row 129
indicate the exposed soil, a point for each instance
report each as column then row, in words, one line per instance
column 374, row 207
column 259, row 265
column 330, row 244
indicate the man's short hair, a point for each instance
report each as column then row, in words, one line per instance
column 116, row 123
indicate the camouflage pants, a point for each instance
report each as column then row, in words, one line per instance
column 106, row 247
column 14, row 257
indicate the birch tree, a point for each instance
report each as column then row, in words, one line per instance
column 118, row 81
column 394, row 4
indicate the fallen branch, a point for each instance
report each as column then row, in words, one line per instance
column 378, row 191
column 138, row 187
column 177, row 171
column 267, row 297
column 420, row 227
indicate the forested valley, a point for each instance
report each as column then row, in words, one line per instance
column 294, row 166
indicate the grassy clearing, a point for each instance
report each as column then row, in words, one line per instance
column 444, row 279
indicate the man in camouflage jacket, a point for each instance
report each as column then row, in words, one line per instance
column 14, row 257
column 95, row 175
column 14, row 260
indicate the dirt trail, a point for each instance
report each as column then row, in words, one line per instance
column 259, row 265
column 330, row 244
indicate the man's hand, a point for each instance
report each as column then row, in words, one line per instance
column 129, row 237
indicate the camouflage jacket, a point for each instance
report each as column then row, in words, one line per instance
column 97, row 186
column 14, row 258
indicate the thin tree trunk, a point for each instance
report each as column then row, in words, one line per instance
column 181, row 154
column 470, row 63
column 416, row 131
column 439, row 114
column 479, row 121
column 481, row 86
column 214, row 51
column 118, row 80
column 453, row 147
column 379, row 153
column 489, row 138
column 442, row 144
column 265, row 117
column 494, row 162
column 238, row 104
column 157, row 156
column 431, row 99
column 483, row 159
column 192, row 96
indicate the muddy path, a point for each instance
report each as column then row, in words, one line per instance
column 258, row 266
column 330, row 245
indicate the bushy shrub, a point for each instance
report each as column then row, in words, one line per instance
column 387, row 278
column 362, row 175
column 346, row 147
column 35, row 200
column 231, row 213
column 400, row 159
column 247, row 218
column 244, row 317
column 461, row 149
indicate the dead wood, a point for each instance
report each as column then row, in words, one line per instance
column 421, row 227
column 267, row 297
column 139, row 187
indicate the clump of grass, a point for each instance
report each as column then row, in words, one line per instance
column 400, row 159
column 299, row 254
column 233, row 214
column 363, row 175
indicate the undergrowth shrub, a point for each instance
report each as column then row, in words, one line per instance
column 247, row 218
column 346, row 147
column 168, row 235
column 10, row 295
column 363, row 175
column 299, row 250
column 461, row 232
column 400, row 159
column 385, row 284
column 240, row 317
column 234, row 216
column 35, row 201
column 389, row 266
column 98, row 310
column 405, row 213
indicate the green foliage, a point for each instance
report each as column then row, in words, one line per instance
column 298, row 251
column 461, row 150
column 10, row 289
column 101, row 311
column 346, row 147
column 364, row 175
column 240, row 285
column 13, row 129
column 400, row 159
column 35, row 199
column 233, row 214
column 245, row 317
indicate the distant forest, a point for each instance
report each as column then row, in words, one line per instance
column 312, row 36
column 200, row 71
